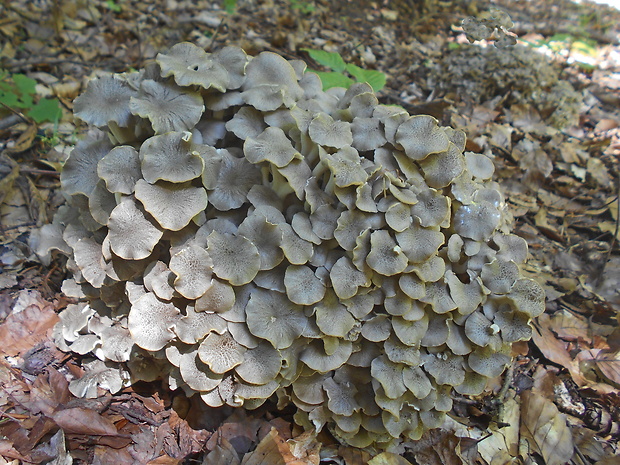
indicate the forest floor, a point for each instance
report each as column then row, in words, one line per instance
column 557, row 165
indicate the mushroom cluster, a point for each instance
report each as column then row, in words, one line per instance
column 239, row 232
column 518, row 73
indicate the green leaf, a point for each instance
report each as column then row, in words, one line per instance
column 24, row 84
column 332, row 79
column 230, row 6
column 330, row 60
column 10, row 98
column 375, row 78
column 46, row 110
column 112, row 5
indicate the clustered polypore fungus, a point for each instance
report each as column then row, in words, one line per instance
column 240, row 232
column 518, row 73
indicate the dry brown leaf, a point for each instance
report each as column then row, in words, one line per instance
column 106, row 455
column 223, row 454
column 607, row 362
column 388, row 458
column 190, row 441
column 164, row 460
column 305, row 447
column 21, row 331
column 353, row 456
column 555, row 350
column 268, row 452
column 569, row 326
column 80, row 420
column 437, row 447
column 273, row 450
column 25, row 140
column 241, row 434
column 501, row 445
column 545, row 429
column 48, row 391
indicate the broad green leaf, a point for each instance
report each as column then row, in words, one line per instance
column 46, row 110
column 330, row 60
column 332, row 79
column 10, row 98
column 17, row 91
column 230, row 6
column 24, row 84
column 112, row 5
column 375, row 78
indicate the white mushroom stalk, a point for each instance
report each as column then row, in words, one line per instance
column 246, row 233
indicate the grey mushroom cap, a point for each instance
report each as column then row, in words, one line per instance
column 190, row 65
column 106, row 99
column 167, row 107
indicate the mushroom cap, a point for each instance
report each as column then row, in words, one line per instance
column 480, row 166
column 419, row 244
column 191, row 65
column 132, row 236
column 159, row 279
column 235, row 60
column 528, row 296
column 271, row 316
column 247, row 122
column 316, row 358
column 167, row 107
column 116, row 344
column 367, row 133
column 220, row 352
column 346, row 167
column 499, row 276
column 271, row 145
column 346, row 278
column 235, row 258
column 432, row 208
column 417, row 381
column 477, row 221
column 440, row 169
column 235, row 177
column 332, row 317
column 481, row 331
column 486, row 362
column 170, row 157
column 193, row 326
column 341, row 397
column 270, row 83
column 389, row 375
column 377, row 328
column 151, row 321
column 106, row 99
column 260, row 365
column 420, row 136
column 172, row 205
column 197, row 374
column 303, row 287
column 445, row 367
column 193, row 268
column 408, row 332
column 89, row 259
column 120, row 169
column 325, row 131
column 385, row 256
column 218, row 298
column 79, row 173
